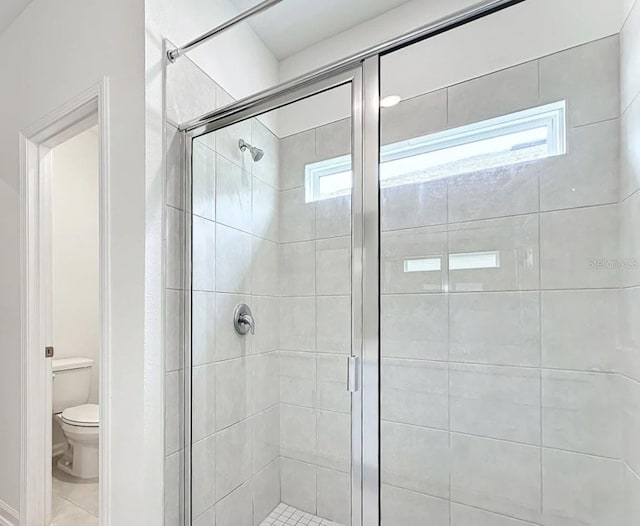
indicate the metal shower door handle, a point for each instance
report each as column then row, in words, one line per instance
column 243, row 320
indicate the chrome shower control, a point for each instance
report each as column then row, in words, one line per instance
column 243, row 319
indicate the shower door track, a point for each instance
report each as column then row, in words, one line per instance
column 362, row 72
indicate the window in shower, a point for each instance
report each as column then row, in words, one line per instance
column 528, row 135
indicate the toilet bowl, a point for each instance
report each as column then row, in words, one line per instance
column 78, row 419
column 81, row 427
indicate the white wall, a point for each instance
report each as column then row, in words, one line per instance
column 52, row 52
column 74, row 247
column 521, row 33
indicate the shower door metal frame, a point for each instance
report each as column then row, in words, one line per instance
column 362, row 264
column 362, row 71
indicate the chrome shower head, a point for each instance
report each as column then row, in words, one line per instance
column 256, row 153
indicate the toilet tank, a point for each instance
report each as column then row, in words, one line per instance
column 71, row 382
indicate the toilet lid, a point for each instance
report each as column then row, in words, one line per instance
column 82, row 415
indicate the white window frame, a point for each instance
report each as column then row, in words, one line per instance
column 552, row 116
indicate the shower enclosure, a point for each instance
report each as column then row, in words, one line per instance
column 415, row 314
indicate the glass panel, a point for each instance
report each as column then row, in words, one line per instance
column 271, row 416
column 499, row 276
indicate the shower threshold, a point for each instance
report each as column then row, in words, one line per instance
column 285, row 515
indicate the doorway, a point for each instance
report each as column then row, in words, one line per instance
column 65, row 319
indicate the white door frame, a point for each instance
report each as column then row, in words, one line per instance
column 35, row 280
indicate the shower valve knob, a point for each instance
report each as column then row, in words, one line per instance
column 243, row 320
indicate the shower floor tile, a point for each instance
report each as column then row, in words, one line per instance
column 285, row 515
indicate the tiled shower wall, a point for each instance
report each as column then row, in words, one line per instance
column 500, row 399
column 235, row 384
column 629, row 311
column 315, row 330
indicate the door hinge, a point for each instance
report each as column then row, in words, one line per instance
column 352, row 374
column 48, row 352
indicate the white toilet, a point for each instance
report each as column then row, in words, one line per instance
column 78, row 419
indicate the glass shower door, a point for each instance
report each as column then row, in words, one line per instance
column 271, row 417
column 498, row 208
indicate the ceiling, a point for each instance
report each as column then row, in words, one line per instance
column 294, row 25
column 9, row 11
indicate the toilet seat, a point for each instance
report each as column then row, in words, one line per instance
column 87, row 415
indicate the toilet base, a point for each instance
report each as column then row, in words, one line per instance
column 81, row 461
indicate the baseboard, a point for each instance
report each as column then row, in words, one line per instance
column 8, row 516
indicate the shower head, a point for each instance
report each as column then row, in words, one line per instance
column 256, row 153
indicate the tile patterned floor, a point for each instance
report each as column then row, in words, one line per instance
column 285, row 515
column 75, row 503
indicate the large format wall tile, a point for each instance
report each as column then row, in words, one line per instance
column 234, row 391
column 581, row 412
column 514, row 239
column 427, row 202
column 497, row 192
column 233, row 195
column 267, row 169
column 203, row 327
column 422, row 332
column 495, row 475
column 493, row 95
column 333, row 140
column 266, row 492
column 401, row 507
column 333, row 266
column 203, row 412
column 175, row 174
column 630, row 58
column 203, row 176
column 298, row 269
column 581, row 490
column 415, row 458
column 297, row 324
column 174, row 329
column 588, row 77
column 579, row 329
column 588, row 174
column 501, row 328
column 467, row 516
column 415, row 392
column 331, row 379
column 334, row 440
column 297, row 218
column 631, row 498
column 334, row 495
column 298, row 433
column 233, row 270
column 414, row 117
column 236, row 509
column 299, row 484
column 579, row 248
column 295, row 152
column 629, row 233
column 265, row 267
column 333, row 217
column 203, row 464
column 298, row 378
column 496, row 402
column 629, row 151
column 265, row 206
column 400, row 249
column 333, row 324
column 234, row 457
column 631, row 423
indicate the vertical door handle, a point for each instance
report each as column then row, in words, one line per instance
column 352, row 374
